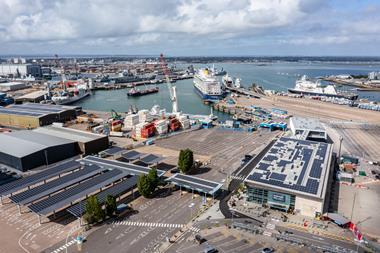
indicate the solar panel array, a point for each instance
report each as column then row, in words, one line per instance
column 74, row 193
column 55, row 185
column 195, row 183
column 292, row 164
column 151, row 159
column 22, row 183
column 132, row 155
column 130, row 168
column 116, row 190
column 113, row 150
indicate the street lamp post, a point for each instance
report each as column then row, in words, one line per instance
column 340, row 146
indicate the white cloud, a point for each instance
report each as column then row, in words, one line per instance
column 180, row 23
column 325, row 40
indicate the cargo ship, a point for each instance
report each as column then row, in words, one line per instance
column 207, row 86
column 308, row 87
column 135, row 92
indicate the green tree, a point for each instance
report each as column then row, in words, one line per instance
column 185, row 160
column 153, row 179
column 143, row 186
column 110, row 205
column 147, row 184
column 93, row 210
column 181, row 159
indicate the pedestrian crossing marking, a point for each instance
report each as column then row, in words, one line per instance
column 153, row 224
column 241, row 178
column 63, row 247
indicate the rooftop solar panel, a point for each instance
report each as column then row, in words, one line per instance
column 151, row 159
column 132, row 155
column 116, row 190
column 55, row 170
column 55, row 185
column 130, row 168
column 195, row 183
column 72, row 194
column 306, row 168
column 277, row 176
column 197, row 180
column 113, row 150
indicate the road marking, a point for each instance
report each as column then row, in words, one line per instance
column 64, row 246
column 153, row 224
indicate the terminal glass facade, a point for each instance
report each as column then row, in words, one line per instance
column 275, row 200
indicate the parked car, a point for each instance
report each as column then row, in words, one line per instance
column 210, row 249
column 267, row 250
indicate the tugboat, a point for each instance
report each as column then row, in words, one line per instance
column 135, row 92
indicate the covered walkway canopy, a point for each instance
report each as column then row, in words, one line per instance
column 129, row 168
column 116, row 190
column 53, row 171
column 132, row 155
column 151, row 159
column 195, row 183
column 113, row 151
column 67, row 197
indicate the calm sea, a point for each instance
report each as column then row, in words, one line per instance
column 274, row 76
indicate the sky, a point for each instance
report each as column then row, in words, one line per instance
column 190, row 27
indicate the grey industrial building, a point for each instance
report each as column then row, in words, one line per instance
column 24, row 150
column 89, row 143
column 32, row 115
column 292, row 176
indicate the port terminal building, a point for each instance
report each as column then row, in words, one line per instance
column 292, row 176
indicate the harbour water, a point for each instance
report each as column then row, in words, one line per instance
column 274, row 76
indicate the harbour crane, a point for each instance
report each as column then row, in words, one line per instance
column 172, row 89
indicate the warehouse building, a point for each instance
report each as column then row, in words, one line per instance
column 307, row 129
column 89, row 143
column 20, row 70
column 12, row 86
column 25, row 150
column 35, row 115
column 33, row 97
column 292, row 176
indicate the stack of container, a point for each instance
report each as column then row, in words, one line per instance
column 116, row 125
column 144, row 130
column 161, row 126
column 131, row 121
column 174, row 124
column 185, row 122
column 145, row 116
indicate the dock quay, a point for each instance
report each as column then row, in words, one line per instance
column 361, row 85
column 245, row 92
column 116, row 86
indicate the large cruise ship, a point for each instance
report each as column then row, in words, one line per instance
column 306, row 86
column 207, row 85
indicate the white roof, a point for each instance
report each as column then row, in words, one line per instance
column 307, row 124
column 68, row 133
